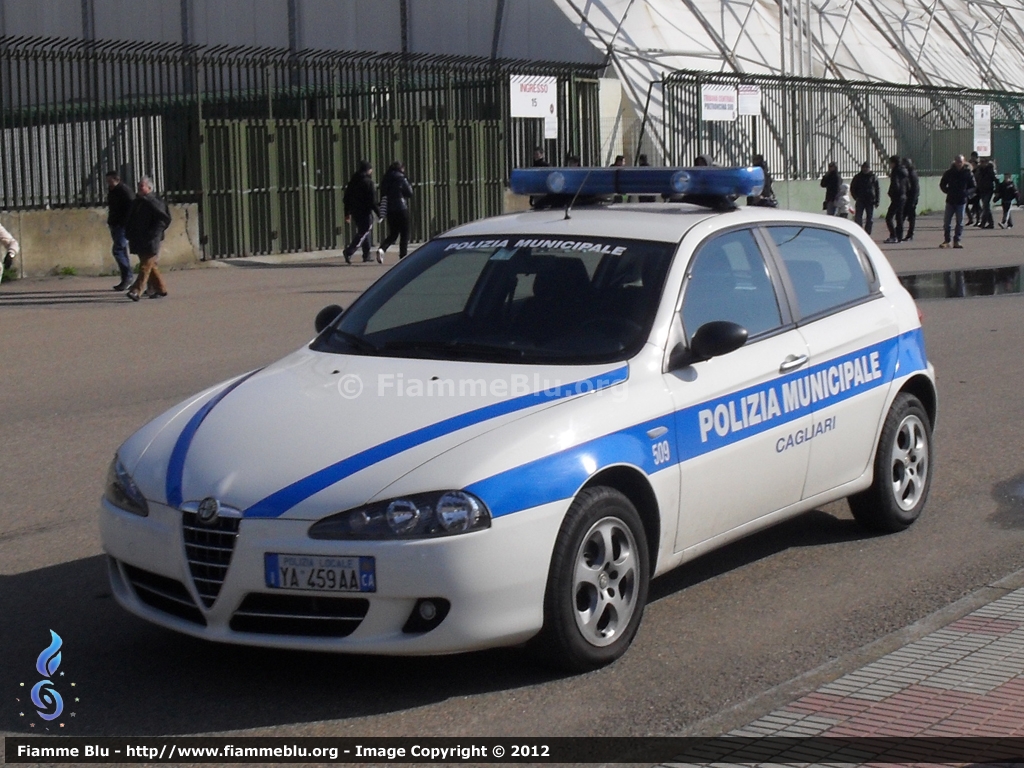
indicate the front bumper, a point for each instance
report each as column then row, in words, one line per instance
column 494, row 581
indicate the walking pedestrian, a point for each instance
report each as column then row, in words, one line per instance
column 866, row 195
column 360, row 207
column 831, row 181
column 395, row 191
column 958, row 184
column 119, row 203
column 897, row 200
column 1007, row 194
column 148, row 219
column 767, row 196
column 10, row 248
column 985, row 180
column 913, row 196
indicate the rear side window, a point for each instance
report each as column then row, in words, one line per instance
column 823, row 267
column 729, row 281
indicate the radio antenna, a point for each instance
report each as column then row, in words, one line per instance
column 578, row 190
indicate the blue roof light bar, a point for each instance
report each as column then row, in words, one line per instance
column 703, row 180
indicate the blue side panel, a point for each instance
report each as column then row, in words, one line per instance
column 912, row 353
column 704, row 427
column 560, row 475
column 717, row 423
column 176, row 464
column 281, row 501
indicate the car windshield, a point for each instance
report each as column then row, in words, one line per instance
column 516, row 299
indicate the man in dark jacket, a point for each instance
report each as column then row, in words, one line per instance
column 360, row 207
column 913, row 196
column 831, row 181
column 958, row 184
column 865, row 192
column 985, row 179
column 897, row 200
column 395, row 191
column 148, row 218
column 119, row 202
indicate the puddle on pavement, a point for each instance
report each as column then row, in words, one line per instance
column 961, row 283
column 1009, row 495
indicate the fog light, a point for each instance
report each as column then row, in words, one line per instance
column 426, row 615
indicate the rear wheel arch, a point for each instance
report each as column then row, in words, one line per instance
column 923, row 389
column 634, row 485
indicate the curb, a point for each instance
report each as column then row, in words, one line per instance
column 775, row 698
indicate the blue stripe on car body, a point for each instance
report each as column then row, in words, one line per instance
column 176, row 464
column 559, row 476
column 279, row 502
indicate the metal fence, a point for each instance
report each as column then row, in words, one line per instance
column 264, row 139
column 805, row 124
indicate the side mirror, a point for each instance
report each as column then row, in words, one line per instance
column 326, row 316
column 714, row 339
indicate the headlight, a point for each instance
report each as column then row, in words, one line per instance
column 419, row 516
column 122, row 491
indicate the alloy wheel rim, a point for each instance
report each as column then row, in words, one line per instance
column 909, row 462
column 605, row 581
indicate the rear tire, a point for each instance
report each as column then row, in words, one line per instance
column 597, row 584
column 903, row 470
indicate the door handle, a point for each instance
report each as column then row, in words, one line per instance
column 793, row 362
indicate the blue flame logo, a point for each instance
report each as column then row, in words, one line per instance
column 43, row 695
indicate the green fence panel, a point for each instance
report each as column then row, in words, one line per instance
column 266, row 139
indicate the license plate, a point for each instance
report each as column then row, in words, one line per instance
column 319, row 573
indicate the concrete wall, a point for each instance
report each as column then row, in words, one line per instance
column 808, row 195
column 78, row 238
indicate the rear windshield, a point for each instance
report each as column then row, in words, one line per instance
column 529, row 299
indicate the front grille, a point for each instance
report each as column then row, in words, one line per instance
column 164, row 594
column 208, row 549
column 301, row 615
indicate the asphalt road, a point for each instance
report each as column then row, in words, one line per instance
column 82, row 367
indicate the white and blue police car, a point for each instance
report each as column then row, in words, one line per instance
column 507, row 436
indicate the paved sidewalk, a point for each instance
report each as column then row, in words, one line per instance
column 956, row 674
column 983, row 248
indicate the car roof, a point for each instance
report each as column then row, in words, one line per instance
column 664, row 222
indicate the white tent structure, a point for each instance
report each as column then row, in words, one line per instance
column 976, row 44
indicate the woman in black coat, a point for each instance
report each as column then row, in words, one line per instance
column 395, row 191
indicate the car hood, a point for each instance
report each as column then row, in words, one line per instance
column 318, row 433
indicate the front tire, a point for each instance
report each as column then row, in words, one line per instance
column 903, row 470
column 597, row 585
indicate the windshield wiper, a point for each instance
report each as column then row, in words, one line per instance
column 356, row 342
column 476, row 349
